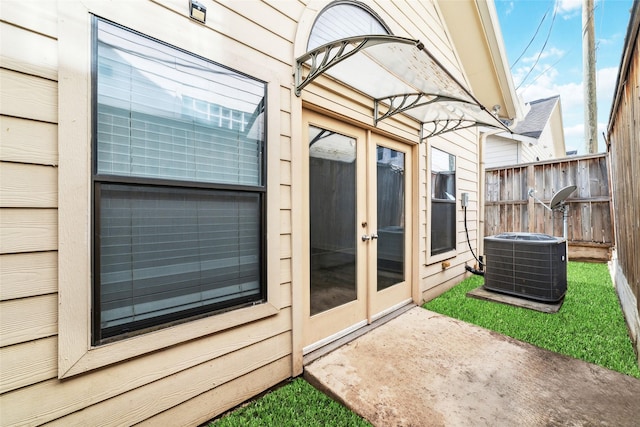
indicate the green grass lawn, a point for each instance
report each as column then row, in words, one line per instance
column 297, row 403
column 589, row 326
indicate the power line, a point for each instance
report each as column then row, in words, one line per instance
column 553, row 19
column 530, row 41
column 547, row 69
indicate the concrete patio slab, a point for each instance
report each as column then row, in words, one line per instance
column 425, row 369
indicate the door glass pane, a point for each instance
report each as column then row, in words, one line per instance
column 332, row 210
column 390, row 172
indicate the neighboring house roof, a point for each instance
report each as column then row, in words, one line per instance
column 539, row 136
column 537, row 117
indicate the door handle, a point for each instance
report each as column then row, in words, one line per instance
column 374, row 236
column 365, row 237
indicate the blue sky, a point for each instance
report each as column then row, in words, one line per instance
column 558, row 70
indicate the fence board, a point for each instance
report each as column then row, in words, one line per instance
column 508, row 207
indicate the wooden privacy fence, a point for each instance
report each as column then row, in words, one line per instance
column 508, row 206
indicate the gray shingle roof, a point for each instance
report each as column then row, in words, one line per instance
column 537, row 117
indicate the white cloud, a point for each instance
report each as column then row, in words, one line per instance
column 574, row 131
column 568, row 5
column 605, row 85
column 547, row 54
column 509, row 8
column 545, row 85
column 574, row 137
column 569, row 8
column 571, row 93
column 572, row 101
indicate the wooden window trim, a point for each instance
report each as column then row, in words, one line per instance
column 76, row 355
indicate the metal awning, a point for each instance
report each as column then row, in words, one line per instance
column 402, row 77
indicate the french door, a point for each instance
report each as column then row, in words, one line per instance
column 359, row 227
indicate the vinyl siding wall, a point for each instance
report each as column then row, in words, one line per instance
column 197, row 378
column 500, row 151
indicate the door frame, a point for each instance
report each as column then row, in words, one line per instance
column 360, row 312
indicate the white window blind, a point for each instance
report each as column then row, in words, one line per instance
column 163, row 113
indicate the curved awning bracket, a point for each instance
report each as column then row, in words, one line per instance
column 395, row 104
column 437, row 127
column 326, row 56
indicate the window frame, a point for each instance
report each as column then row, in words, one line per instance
column 453, row 252
column 76, row 353
column 98, row 180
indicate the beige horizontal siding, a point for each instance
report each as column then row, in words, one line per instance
column 28, row 186
column 28, row 274
column 285, row 197
column 58, row 399
column 285, row 147
column 28, row 319
column 285, row 221
column 214, row 402
column 285, row 246
column 24, row 364
column 28, row 52
column 240, row 29
column 141, row 403
column 28, row 230
column 285, row 172
column 28, row 141
column 29, row 97
column 285, row 269
column 285, row 295
column 292, row 9
column 39, row 16
column 267, row 17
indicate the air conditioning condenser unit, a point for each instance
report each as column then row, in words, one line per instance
column 529, row 265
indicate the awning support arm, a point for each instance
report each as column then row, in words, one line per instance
column 447, row 125
column 403, row 102
column 326, row 56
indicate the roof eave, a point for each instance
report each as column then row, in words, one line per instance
column 475, row 28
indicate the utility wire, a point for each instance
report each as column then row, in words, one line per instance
column 553, row 19
column 564, row 55
column 530, row 41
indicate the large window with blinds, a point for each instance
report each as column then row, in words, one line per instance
column 178, row 185
column 443, row 202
